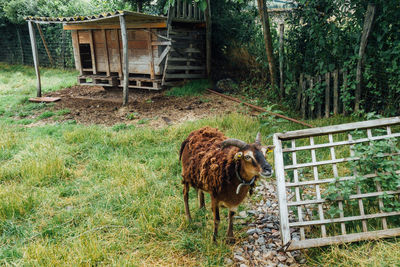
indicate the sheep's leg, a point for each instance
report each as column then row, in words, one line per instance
column 186, row 187
column 200, row 197
column 230, row 227
column 215, row 210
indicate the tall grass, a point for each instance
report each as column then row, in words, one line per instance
column 192, row 88
column 90, row 195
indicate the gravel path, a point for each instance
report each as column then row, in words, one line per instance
column 263, row 236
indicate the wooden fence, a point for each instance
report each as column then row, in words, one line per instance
column 187, row 11
column 325, row 100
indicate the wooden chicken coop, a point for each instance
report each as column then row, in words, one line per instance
column 134, row 50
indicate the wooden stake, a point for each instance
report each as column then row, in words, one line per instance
column 45, row 44
column 125, row 65
column 35, row 58
column 281, row 58
column 369, row 16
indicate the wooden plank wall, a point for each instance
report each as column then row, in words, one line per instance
column 107, row 48
column 187, row 56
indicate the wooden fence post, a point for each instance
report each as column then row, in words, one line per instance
column 319, row 104
column 299, row 89
column 125, row 67
column 281, row 58
column 35, row 57
column 304, row 99
column 369, row 16
column 344, row 89
column 335, row 92
column 327, row 93
column 311, row 108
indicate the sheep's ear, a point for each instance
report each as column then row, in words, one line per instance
column 238, row 155
column 258, row 139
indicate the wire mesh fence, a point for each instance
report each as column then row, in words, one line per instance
column 53, row 43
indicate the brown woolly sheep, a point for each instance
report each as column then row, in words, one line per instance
column 225, row 168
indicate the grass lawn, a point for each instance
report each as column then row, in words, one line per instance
column 87, row 195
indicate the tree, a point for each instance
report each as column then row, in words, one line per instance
column 262, row 7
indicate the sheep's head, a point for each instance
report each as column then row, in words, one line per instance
column 251, row 157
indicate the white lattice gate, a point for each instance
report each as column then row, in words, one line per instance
column 307, row 161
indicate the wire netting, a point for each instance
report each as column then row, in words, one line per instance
column 15, row 45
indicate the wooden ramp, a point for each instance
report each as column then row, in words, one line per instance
column 44, row 99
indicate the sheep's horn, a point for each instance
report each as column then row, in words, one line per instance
column 233, row 142
column 258, row 139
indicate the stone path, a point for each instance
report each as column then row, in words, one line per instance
column 263, row 236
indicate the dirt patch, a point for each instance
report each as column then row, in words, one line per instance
column 95, row 105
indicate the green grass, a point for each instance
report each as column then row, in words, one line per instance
column 90, row 195
column 192, row 88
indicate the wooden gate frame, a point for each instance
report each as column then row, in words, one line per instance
column 283, row 183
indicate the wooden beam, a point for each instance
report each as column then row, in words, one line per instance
column 318, row 242
column 86, row 26
column 119, row 55
column 339, row 128
column 45, row 44
column 369, row 17
column 77, row 56
column 35, row 58
column 106, row 52
column 125, row 60
column 280, row 177
column 163, row 55
column 161, row 43
column 150, row 48
column 92, row 52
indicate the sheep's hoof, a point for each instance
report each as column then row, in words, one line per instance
column 214, row 238
column 230, row 240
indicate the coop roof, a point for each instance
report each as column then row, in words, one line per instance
column 106, row 18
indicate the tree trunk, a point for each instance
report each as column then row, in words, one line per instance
column 281, row 58
column 369, row 16
column 262, row 9
column 139, row 5
column 207, row 14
